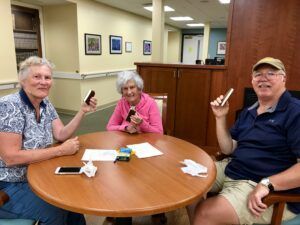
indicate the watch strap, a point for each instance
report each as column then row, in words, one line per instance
column 271, row 187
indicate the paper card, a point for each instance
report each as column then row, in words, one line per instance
column 144, row 150
column 99, row 155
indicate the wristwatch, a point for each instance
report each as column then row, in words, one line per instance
column 266, row 182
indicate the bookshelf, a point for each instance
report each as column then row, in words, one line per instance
column 27, row 36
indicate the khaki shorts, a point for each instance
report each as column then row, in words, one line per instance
column 237, row 191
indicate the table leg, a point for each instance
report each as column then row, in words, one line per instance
column 123, row 221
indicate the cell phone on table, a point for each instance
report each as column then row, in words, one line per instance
column 68, row 170
column 88, row 97
column 226, row 96
column 130, row 113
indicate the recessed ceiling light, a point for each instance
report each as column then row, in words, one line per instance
column 166, row 8
column 224, row 1
column 181, row 18
column 195, row 24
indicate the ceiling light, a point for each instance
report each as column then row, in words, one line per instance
column 166, row 8
column 195, row 24
column 181, row 18
column 224, row 1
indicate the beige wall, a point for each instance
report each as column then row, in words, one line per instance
column 105, row 88
column 60, row 31
column 96, row 18
column 100, row 19
column 8, row 63
column 174, row 43
column 66, row 94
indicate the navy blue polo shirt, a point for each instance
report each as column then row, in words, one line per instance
column 268, row 143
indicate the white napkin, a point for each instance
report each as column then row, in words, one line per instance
column 89, row 169
column 193, row 168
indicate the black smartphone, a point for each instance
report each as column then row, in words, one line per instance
column 130, row 113
column 88, row 97
column 226, row 96
column 68, row 170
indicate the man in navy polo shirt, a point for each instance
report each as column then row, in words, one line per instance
column 264, row 145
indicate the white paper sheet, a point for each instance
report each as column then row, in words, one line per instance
column 99, row 155
column 144, row 150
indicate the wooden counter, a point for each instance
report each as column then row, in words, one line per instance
column 190, row 89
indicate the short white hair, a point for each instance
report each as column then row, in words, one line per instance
column 125, row 76
column 24, row 66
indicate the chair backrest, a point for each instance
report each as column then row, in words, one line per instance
column 11, row 218
column 3, row 198
column 250, row 98
column 161, row 101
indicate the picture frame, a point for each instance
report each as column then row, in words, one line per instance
column 115, row 44
column 128, row 46
column 221, row 48
column 92, row 43
column 147, row 47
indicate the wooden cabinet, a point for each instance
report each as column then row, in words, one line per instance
column 192, row 104
column 27, row 37
column 162, row 80
column 189, row 94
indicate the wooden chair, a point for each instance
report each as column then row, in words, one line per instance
column 13, row 218
column 278, row 200
column 161, row 100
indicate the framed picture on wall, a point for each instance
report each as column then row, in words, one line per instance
column 128, row 46
column 147, row 47
column 115, row 44
column 92, row 44
column 221, row 48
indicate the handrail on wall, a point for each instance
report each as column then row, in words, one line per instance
column 9, row 85
column 90, row 75
column 102, row 74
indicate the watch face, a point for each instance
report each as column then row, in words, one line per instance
column 265, row 181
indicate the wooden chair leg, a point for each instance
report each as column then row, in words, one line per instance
column 159, row 219
column 277, row 213
column 123, row 221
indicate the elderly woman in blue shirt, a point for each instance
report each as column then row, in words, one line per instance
column 28, row 124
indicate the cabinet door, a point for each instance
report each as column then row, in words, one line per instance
column 162, row 80
column 192, row 105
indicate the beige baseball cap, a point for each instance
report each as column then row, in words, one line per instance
column 270, row 61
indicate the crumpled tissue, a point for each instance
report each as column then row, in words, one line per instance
column 193, row 168
column 89, row 169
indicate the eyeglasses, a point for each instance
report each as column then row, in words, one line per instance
column 270, row 75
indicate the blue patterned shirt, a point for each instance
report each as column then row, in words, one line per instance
column 17, row 115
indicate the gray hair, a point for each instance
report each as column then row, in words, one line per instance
column 24, row 66
column 125, row 76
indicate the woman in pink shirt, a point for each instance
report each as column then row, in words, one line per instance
column 147, row 116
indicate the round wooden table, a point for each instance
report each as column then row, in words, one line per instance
column 124, row 189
